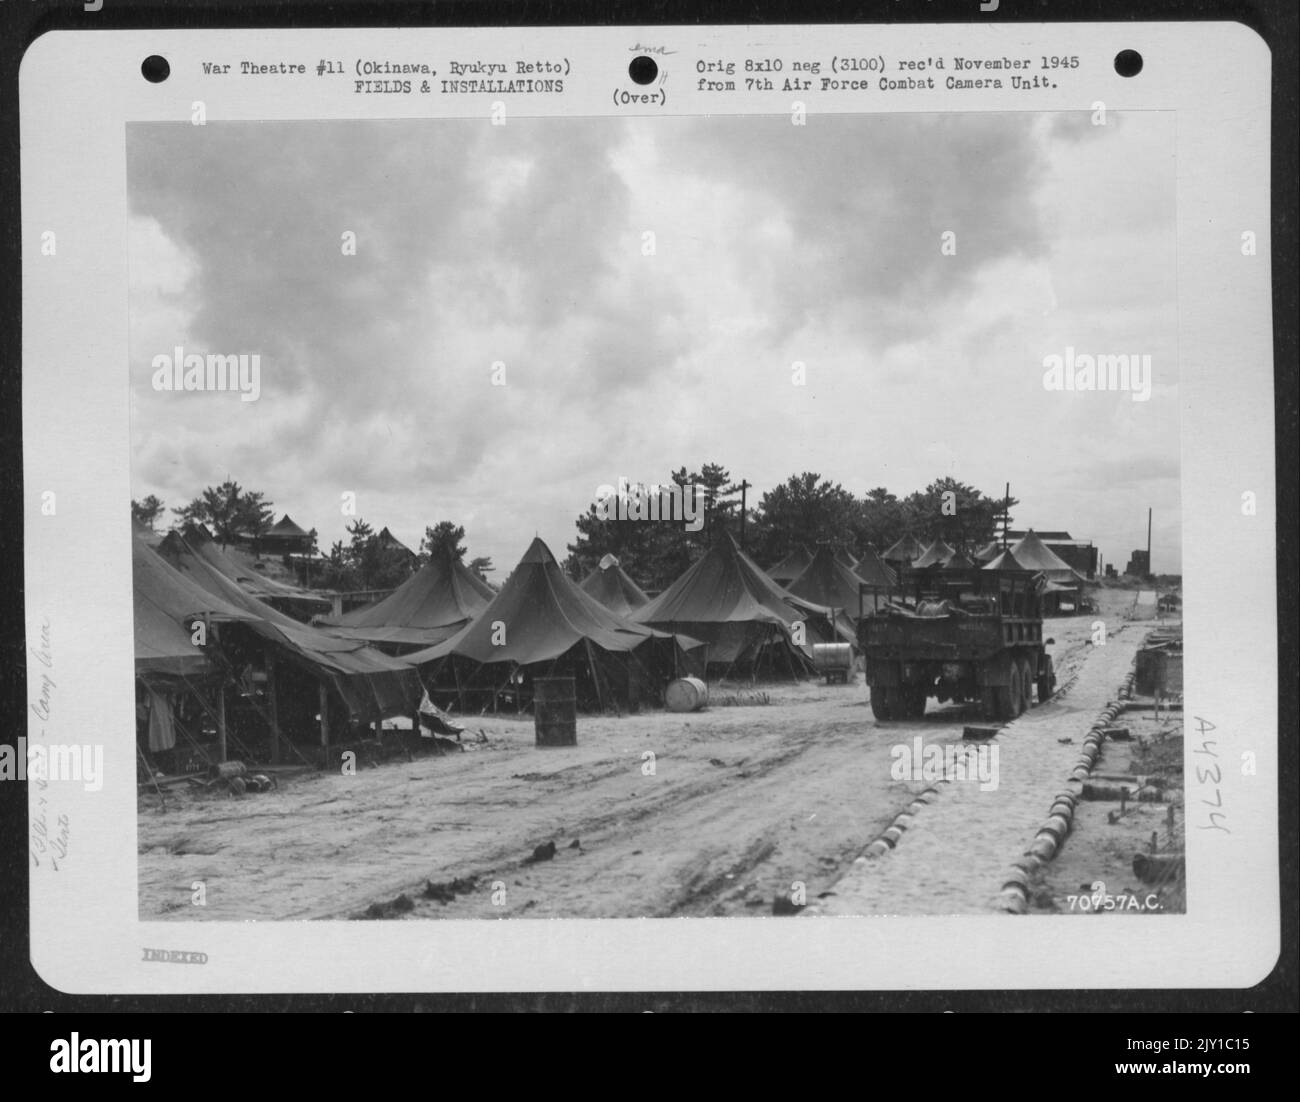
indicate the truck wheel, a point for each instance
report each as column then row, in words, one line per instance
column 882, row 702
column 996, row 703
column 989, row 703
column 1046, row 680
column 918, row 702
column 1016, row 704
column 1026, row 684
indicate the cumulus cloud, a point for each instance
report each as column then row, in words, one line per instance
column 527, row 245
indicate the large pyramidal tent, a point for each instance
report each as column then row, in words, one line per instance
column 830, row 583
column 430, row 606
column 905, row 550
column 370, row 684
column 844, row 558
column 611, row 586
column 284, row 537
column 725, row 599
column 871, row 569
column 790, row 567
column 1005, row 561
column 936, row 554
column 541, row 624
column 988, row 552
column 1033, row 554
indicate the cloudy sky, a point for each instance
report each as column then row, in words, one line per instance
column 772, row 244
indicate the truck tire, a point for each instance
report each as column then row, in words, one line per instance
column 1016, row 703
column 996, row 703
column 1046, row 680
column 1026, row 683
column 918, row 702
column 882, row 702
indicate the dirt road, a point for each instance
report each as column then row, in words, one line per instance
column 737, row 804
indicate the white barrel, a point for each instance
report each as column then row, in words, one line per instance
column 686, row 694
column 832, row 656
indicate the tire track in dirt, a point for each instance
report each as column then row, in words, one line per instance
column 662, row 857
column 599, row 832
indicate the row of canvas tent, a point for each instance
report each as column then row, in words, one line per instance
column 542, row 624
column 620, row 646
column 479, row 647
column 483, row 649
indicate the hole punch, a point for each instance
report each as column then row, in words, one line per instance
column 1128, row 63
column 643, row 69
column 155, row 69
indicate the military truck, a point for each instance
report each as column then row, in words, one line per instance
column 956, row 636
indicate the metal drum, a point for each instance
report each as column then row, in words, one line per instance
column 555, row 711
column 832, row 657
column 686, row 694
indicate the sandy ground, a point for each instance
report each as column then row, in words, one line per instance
column 1096, row 863
column 743, row 801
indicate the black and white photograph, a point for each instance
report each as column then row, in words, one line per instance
column 602, row 518
column 808, row 483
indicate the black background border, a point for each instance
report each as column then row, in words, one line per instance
column 21, row 21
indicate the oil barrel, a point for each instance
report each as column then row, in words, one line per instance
column 832, row 656
column 686, row 694
column 555, row 711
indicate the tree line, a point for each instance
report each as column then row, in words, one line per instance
column 806, row 509
column 366, row 560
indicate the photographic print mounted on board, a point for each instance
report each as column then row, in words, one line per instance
column 781, row 476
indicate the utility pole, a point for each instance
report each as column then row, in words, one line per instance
column 1006, row 517
column 1149, row 570
column 744, row 485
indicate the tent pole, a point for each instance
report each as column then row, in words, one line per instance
column 324, row 700
column 595, row 674
column 510, row 677
column 207, row 708
column 221, row 720
column 273, row 708
column 149, row 769
column 455, row 676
